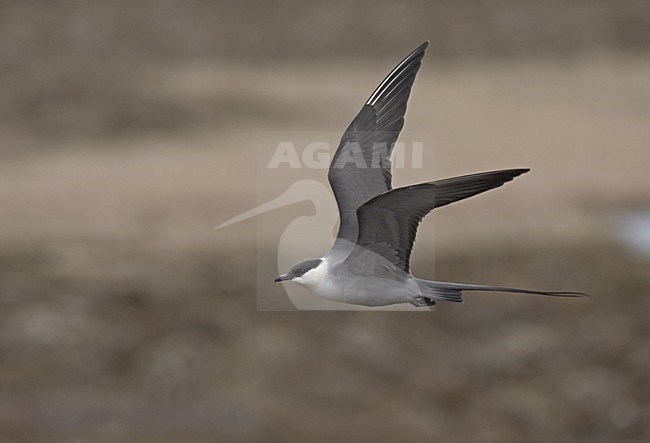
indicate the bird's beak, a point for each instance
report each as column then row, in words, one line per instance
column 282, row 277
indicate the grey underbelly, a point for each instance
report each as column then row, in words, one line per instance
column 369, row 291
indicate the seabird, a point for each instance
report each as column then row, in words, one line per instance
column 369, row 263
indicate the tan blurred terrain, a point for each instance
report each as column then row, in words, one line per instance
column 129, row 132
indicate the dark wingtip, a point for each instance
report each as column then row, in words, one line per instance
column 510, row 174
column 405, row 70
column 419, row 50
column 517, row 171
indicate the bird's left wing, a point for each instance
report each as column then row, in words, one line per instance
column 388, row 223
column 360, row 168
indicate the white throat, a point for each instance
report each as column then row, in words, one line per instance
column 314, row 278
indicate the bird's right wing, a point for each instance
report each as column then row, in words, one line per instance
column 360, row 168
column 388, row 223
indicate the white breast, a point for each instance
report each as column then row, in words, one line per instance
column 322, row 282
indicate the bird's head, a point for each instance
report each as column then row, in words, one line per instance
column 302, row 272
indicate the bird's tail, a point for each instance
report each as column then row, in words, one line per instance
column 444, row 291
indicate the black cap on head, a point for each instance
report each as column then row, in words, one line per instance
column 299, row 270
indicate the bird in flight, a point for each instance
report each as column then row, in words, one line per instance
column 369, row 263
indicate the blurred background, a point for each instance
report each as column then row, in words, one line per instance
column 128, row 131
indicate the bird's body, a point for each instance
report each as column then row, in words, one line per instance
column 369, row 263
column 331, row 280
